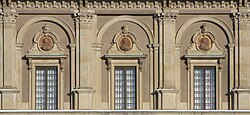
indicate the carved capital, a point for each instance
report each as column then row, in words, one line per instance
column 169, row 16
column 10, row 17
column 244, row 16
column 166, row 16
column 178, row 47
column 234, row 16
column 156, row 47
column 1, row 17
column 97, row 46
column 84, row 17
column 150, row 47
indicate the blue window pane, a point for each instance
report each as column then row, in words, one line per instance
column 204, row 88
column 46, row 88
column 125, row 88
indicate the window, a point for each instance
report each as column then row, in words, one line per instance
column 46, row 87
column 204, row 88
column 125, row 88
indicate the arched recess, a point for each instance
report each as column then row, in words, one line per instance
column 135, row 59
column 213, row 20
column 55, row 20
column 199, row 61
column 129, row 19
column 19, row 54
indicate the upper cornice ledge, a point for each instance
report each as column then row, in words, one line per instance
column 124, row 4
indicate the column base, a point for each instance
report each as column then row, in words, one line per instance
column 83, row 98
column 168, row 99
column 241, row 99
column 8, row 96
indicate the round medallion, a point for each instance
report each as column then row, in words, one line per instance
column 204, row 43
column 125, row 43
column 46, row 43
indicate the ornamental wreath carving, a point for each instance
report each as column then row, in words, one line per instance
column 45, row 43
column 124, row 42
column 203, row 44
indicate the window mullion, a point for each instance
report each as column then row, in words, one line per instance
column 46, row 87
column 204, row 87
column 125, row 89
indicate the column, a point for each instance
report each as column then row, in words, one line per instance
column 234, row 75
column 8, row 87
column 85, row 22
column 168, row 90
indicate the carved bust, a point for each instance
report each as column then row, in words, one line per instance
column 46, row 43
column 204, row 43
column 125, row 43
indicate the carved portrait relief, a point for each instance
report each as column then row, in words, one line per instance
column 46, row 43
column 204, row 43
column 125, row 43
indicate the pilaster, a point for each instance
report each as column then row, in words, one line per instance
column 8, row 86
column 242, row 89
column 1, row 48
column 85, row 22
column 168, row 90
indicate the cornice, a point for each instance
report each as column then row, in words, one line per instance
column 124, row 4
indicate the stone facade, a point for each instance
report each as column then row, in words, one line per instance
column 165, row 40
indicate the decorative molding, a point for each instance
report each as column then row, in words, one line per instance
column 166, row 16
column 244, row 16
column 43, row 4
column 97, row 46
column 204, row 4
column 9, row 17
column 124, row 43
column 107, row 4
column 86, row 17
column 203, row 45
column 51, row 50
column 167, row 90
column 123, row 4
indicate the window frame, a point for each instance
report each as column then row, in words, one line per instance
column 204, row 68
column 46, row 68
column 218, row 74
column 32, row 80
column 126, row 63
column 125, row 85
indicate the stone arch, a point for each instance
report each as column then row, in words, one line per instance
column 129, row 19
column 55, row 20
column 213, row 20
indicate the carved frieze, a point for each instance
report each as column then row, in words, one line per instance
column 122, row 4
column 203, row 4
column 43, row 4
